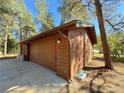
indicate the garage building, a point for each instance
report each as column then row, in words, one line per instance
column 64, row 49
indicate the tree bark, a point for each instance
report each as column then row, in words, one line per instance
column 20, row 31
column 5, row 45
column 105, row 46
column 21, row 37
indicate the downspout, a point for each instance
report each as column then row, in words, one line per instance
column 59, row 31
column 84, row 52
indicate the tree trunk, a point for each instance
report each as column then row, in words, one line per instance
column 20, row 31
column 21, row 37
column 5, row 46
column 105, row 46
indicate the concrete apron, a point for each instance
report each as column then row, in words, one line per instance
column 27, row 77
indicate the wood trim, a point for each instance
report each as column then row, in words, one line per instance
column 68, row 53
column 84, row 51
column 28, row 52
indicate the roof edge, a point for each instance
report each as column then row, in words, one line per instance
column 77, row 23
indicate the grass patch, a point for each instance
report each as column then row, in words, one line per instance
column 119, row 59
column 8, row 55
column 98, row 55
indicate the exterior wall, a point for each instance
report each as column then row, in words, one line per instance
column 24, row 50
column 88, row 49
column 62, row 58
column 47, row 52
column 76, row 51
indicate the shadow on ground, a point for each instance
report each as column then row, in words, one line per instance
column 26, row 77
column 98, row 80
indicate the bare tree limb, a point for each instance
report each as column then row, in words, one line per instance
column 113, row 26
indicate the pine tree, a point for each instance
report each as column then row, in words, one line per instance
column 44, row 16
column 14, row 17
column 72, row 10
column 105, row 46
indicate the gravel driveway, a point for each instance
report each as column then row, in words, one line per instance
column 26, row 77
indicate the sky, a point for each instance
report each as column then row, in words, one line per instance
column 54, row 4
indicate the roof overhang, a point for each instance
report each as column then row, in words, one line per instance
column 75, row 23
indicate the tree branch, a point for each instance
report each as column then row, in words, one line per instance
column 113, row 26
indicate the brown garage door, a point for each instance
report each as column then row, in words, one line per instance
column 43, row 52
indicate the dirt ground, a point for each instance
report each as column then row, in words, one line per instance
column 98, row 80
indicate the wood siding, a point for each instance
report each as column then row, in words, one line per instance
column 88, row 49
column 76, row 51
column 47, row 52
column 24, row 51
column 66, row 58
column 62, row 58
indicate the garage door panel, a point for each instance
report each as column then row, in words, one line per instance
column 43, row 53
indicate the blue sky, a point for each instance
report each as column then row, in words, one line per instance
column 54, row 4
